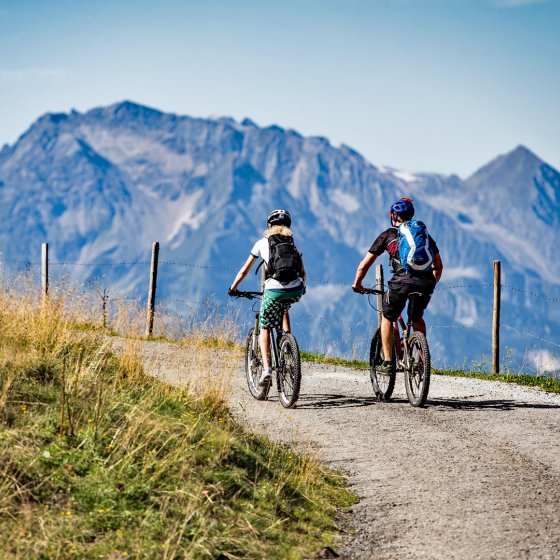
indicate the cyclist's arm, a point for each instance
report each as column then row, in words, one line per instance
column 438, row 267
column 362, row 270
column 243, row 271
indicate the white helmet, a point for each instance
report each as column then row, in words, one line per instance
column 279, row 218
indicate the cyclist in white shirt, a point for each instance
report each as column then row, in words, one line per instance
column 284, row 279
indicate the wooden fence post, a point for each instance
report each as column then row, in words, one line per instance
column 45, row 269
column 379, row 286
column 104, row 295
column 496, row 319
column 152, row 291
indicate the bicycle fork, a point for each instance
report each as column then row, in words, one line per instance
column 255, row 339
column 405, row 362
column 276, row 359
column 402, row 344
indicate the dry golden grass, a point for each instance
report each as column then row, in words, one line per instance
column 101, row 460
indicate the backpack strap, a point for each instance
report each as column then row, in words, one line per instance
column 260, row 264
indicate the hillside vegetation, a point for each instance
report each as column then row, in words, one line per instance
column 550, row 382
column 99, row 460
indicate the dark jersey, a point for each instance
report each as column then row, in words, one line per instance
column 389, row 241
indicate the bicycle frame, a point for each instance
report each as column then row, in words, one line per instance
column 401, row 330
column 284, row 359
column 411, row 355
column 401, row 340
column 275, row 335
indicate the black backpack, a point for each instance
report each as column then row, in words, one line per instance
column 285, row 263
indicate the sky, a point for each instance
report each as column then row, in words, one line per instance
column 420, row 85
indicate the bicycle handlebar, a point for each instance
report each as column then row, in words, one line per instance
column 247, row 295
column 366, row 291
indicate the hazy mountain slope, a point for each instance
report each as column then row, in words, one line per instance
column 101, row 186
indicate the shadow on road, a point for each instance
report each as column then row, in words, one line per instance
column 333, row 401
column 494, row 404
column 322, row 401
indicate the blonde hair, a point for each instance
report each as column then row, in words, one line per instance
column 278, row 230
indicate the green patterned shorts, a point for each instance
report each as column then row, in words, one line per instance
column 274, row 304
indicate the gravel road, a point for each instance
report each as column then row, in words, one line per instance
column 475, row 474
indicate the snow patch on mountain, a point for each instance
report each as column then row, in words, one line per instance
column 125, row 148
column 405, row 176
column 182, row 213
column 461, row 273
column 298, row 178
column 325, row 296
column 544, row 362
column 466, row 312
column 346, row 201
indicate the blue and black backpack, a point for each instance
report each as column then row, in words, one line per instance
column 415, row 250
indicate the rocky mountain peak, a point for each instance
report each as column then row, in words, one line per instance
column 102, row 185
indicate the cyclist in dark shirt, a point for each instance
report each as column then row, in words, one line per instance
column 402, row 282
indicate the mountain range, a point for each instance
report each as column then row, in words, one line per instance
column 101, row 186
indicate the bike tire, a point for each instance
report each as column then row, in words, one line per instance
column 383, row 384
column 417, row 376
column 290, row 371
column 253, row 369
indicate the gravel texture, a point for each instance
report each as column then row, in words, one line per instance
column 474, row 474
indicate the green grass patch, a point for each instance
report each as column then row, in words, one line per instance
column 101, row 461
column 549, row 384
column 86, row 326
column 318, row 358
column 202, row 341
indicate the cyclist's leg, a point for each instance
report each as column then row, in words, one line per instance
column 270, row 315
column 420, row 304
column 286, row 322
column 386, row 337
column 287, row 301
column 394, row 302
column 420, row 326
column 264, row 344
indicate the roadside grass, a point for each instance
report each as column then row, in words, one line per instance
column 548, row 383
column 101, row 460
column 333, row 360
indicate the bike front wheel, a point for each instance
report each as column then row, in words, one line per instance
column 382, row 383
column 289, row 372
column 417, row 375
column 254, row 367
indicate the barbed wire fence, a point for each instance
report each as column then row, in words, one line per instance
column 192, row 314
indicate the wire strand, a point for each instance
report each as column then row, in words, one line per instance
column 531, row 335
column 528, row 292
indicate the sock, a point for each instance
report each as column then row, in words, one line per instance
column 267, row 371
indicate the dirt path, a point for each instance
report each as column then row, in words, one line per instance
column 476, row 474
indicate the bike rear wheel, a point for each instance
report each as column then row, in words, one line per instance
column 417, row 376
column 382, row 383
column 253, row 368
column 289, row 372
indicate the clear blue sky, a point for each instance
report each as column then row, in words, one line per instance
column 422, row 85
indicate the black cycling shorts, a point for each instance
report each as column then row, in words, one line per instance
column 396, row 297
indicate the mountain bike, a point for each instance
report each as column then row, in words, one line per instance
column 284, row 357
column 411, row 355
